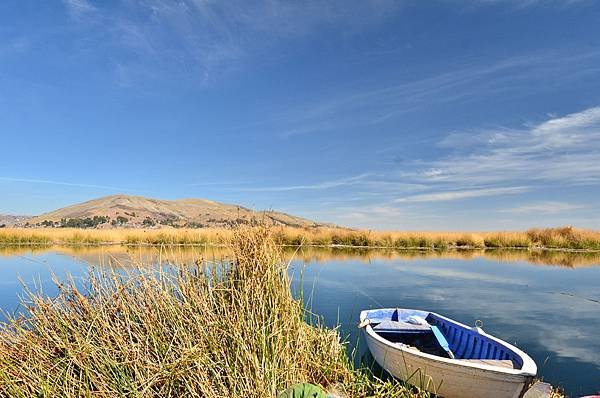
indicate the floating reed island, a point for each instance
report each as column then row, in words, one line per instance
column 230, row 328
column 537, row 238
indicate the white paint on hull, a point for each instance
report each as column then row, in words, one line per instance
column 450, row 378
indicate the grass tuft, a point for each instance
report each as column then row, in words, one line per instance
column 226, row 329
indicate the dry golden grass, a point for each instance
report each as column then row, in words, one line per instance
column 227, row 329
column 565, row 238
column 165, row 236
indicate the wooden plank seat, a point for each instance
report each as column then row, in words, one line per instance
column 502, row 363
column 400, row 327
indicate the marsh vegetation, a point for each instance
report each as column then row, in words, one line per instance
column 225, row 329
column 540, row 238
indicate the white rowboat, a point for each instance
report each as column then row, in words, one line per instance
column 445, row 356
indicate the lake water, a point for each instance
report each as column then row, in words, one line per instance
column 545, row 303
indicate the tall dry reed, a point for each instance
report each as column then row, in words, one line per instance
column 227, row 329
column 561, row 238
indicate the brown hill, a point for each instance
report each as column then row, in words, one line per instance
column 137, row 211
column 7, row 220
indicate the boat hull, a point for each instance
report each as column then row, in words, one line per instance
column 446, row 377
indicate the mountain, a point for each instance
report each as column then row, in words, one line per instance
column 137, row 211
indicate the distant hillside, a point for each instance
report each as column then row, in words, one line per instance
column 8, row 220
column 137, row 211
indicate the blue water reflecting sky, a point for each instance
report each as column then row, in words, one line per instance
column 551, row 312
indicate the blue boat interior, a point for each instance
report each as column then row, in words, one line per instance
column 463, row 342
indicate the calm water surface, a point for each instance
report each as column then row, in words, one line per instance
column 546, row 304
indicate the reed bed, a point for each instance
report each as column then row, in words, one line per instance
column 553, row 238
column 228, row 329
column 78, row 236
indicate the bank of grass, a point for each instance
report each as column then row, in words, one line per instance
column 232, row 329
column 125, row 236
column 18, row 236
column 551, row 238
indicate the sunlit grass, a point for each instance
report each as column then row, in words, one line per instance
column 561, row 238
column 565, row 237
column 227, row 329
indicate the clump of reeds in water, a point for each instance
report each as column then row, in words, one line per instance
column 232, row 329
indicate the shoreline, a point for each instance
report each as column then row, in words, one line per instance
column 336, row 246
column 566, row 239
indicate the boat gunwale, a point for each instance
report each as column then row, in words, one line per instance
column 529, row 368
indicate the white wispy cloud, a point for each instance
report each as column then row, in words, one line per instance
column 524, row 4
column 543, row 208
column 463, row 194
column 78, row 9
column 376, row 104
column 373, row 105
column 563, row 150
column 365, row 187
column 202, row 38
column 316, row 186
column 559, row 151
column 64, row 183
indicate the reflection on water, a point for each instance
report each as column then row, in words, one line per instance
column 540, row 257
column 125, row 255
column 546, row 302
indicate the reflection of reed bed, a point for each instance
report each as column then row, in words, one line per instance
column 195, row 332
column 165, row 254
column 542, row 257
column 560, row 258
column 22, row 250
column 155, row 255
column 309, row 254
column 325, row 254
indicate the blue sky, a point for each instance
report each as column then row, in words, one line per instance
column 379, row 114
